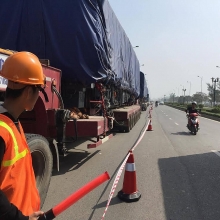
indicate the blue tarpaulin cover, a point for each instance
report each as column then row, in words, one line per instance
column 83, row 38
column 143, row 86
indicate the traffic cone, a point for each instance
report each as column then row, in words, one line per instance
column 129, row 193
column 150, row 126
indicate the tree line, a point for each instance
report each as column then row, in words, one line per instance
column 212, row 98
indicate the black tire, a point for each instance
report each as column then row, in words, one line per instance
column 42, row 160
column 136, row 116
column 132, row 121
column 193, row 130
column 128, row 127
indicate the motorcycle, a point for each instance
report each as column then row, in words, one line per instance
column 193, row 123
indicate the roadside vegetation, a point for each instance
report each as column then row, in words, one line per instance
column 209, row 112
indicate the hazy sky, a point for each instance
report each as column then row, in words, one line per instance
column 178, row 41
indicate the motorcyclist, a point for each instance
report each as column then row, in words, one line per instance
column 156, row 103
column 191, row 109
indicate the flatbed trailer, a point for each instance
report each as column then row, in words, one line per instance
column 126, row 117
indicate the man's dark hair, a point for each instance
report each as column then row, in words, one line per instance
column 15, row 93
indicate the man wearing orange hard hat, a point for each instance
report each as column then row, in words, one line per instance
column 19, row 197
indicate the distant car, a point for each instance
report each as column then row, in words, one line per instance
column 161, row 103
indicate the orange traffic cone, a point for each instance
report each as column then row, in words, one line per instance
column 150, row 126
column 129, row 193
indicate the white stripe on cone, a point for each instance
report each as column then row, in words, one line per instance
column 130, row 167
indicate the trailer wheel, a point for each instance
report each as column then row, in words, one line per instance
column 139, row 115
column 135, row 118
column 128, row 127
column 42, row 161
column 132, row 118
column 131, row 122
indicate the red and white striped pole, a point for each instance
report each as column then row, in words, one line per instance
column 66, row 203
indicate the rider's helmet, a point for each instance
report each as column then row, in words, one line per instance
column 194, row 102
column 23, row 67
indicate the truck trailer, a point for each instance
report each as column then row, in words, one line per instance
column 144, row 93
column 92, row 75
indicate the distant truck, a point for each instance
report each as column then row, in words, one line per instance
column 144, row 94
column 92, row 75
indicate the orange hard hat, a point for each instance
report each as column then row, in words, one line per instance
column 23, row 67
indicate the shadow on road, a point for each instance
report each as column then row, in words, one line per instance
column 76, row 156
column 186, row 133
column 191, row 187
column 115, row 200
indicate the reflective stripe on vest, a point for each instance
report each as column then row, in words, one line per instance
column 18, row 155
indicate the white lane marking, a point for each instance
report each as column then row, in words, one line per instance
column 170, row 118
column 210, row 119
column 216, row 152
column 176, row 123
column 167, row 115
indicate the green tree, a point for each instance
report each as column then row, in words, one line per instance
column 180, row 99
column 210, row 89
column 200, row 97
column 188, row 99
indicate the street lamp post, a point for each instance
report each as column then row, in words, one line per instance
column 189, row 89
column 184, row 90
column 201, row 82
column 214, row 80
column 201, row 87
column 173, row 97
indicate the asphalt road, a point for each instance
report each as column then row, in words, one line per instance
column 178, row 174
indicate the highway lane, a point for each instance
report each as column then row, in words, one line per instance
column 199, row 165
column 174, row 123
column 177, row 173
